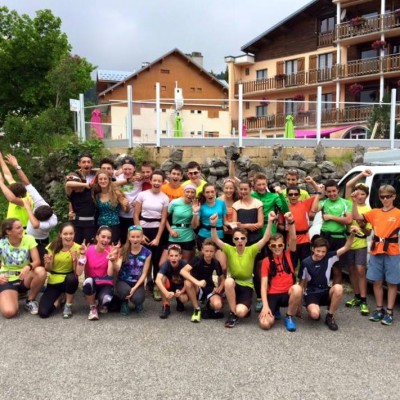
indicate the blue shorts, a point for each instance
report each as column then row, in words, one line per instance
column 383, row 267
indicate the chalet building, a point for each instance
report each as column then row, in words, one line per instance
column 198, row 116
column 351, row 48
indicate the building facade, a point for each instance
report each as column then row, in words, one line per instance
column 203, row 108
column 351, row 48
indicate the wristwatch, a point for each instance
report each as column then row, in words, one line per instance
column 18, row 167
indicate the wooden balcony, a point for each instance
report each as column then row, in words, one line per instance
column 381, row 23
column 304, row 119
column 370, row 66
column 325, row 39
column 357, row 68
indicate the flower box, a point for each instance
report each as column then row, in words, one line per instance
column 358, row 21
column 280, row 77
column 356, row 88
column 299, row 97
column 250, row 119
column 378, row 44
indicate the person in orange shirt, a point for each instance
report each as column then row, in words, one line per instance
column 301, row 211
column 384, row 260
column 173, row 188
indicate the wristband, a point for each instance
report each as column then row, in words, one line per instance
column 291, row 223
column 195, row 213
column 213, row 227
column 318, row 192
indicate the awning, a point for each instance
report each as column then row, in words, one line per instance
column 334, row 133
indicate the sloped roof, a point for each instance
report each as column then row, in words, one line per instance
column 112, row 75
column 150, row 65
column 276, row 26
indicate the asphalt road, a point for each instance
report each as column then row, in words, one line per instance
column 144, row 357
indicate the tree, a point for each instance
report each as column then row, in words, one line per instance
column 38, row 76
column 29, row 49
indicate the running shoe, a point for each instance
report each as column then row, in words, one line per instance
column 103, row 309
column 387, row 319
column 124, row 310
column 354, row 302
column 290, row 325
column 259, row 305
column 67, row 312
column 93, row 314
column 232, row 320
column 377, row 315
column 165, row 311
column 196, row 316
column 32, row 306
column 156, row 294
column 139, row 308
column 332, row 325
column 364, row 310
column 180, row 307
column 278, row 315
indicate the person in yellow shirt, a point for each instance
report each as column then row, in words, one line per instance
column 194, row 174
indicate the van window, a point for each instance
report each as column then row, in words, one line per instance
column 342, row 186
column 384, row 179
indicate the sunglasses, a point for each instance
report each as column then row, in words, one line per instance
column 193, row 173
column 386, row 196
column 135, row 228
column 276, row 245
column 174, row 247
column 239, row 238
column 293, row 194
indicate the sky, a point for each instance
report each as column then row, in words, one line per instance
column 121, row 34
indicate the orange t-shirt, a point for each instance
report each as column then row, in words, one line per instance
column 282, row 281
column 300, row 212
column 172, row 193
column 384, row 223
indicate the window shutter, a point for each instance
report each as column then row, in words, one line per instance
column 280, row 67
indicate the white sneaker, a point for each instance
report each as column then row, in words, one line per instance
column 93, row 314
column 32, row 307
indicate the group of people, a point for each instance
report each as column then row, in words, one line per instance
column 130, row 231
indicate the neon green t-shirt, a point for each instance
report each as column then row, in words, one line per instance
column 19, row 212
column 304, row 195
column 199, row 188
column 62, row 264
column 361, row 243
column 240, row 266
column 339, row 208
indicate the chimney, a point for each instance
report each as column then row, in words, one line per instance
column 197, row 57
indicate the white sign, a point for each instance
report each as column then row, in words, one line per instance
column 74, row 105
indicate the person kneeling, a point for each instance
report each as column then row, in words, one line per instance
column 278, row 281
column 317, row 270
column 199, row 282
column 170, row 282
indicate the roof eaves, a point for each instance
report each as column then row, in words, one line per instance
column 270, row 30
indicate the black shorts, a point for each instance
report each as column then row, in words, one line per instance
column 318, row 298
column 276, row 301
column 244, row 295
column 187, row 246
column 15, row 285
column 205, row 293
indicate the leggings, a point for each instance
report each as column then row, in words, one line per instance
column 53, row 292
column 156, row 251
column 104, row 292
column 122, row 290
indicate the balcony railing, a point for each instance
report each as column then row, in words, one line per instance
column 325, row 39
column 302, row 119
column 350, row 29
column 352, row 69
column 369, row 66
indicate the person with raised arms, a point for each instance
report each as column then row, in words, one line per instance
column 239, row 284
